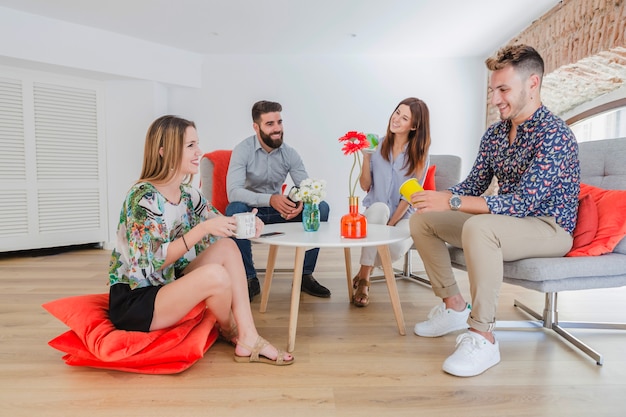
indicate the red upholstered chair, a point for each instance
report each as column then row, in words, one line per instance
column 213, row 169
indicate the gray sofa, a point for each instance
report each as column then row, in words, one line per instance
column 602, row 165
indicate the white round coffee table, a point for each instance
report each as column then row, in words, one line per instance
column 328, row 236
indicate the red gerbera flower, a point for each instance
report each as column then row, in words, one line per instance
column 353, row 142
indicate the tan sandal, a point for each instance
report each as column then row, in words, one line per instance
column 255, row 355
column 360, row 293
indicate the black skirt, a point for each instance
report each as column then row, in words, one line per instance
column 132, row 309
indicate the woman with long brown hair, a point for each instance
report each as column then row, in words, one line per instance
column 401, row 154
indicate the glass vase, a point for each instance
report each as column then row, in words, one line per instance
column 353, row 224
column 311, row 217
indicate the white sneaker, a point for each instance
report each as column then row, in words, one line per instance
column 473, row 355
column 442, row 320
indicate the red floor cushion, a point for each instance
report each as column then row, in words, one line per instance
column 93, row 340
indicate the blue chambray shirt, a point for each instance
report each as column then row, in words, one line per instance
column 387, row 176
column 538, row 175
column 254, row 174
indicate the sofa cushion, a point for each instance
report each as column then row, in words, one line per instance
column 611, row 207
column 559, row 274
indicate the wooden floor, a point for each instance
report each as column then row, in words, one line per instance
column 349, row 361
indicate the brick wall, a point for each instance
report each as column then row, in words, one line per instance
column 583, row 44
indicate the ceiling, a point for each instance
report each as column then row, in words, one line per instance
column 421, row 28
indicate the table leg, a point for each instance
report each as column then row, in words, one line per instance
column 269, row 274
column 385, row 257
column 346, row 253
column 295, row 297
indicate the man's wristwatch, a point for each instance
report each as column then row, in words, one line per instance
column 455, row 202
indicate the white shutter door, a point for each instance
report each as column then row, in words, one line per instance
column 13, row 198
column 52, row 181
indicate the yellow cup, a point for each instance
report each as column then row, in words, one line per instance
column 410, row 187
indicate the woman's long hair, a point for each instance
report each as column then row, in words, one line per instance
column 167, row 133
column 419, row 137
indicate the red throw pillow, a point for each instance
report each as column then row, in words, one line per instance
column 429, row 181
column 94, row 341
column 611, row 208
column 586, row 223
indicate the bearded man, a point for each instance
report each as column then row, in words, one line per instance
column 257, row 171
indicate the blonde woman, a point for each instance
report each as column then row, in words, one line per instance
column 169, row 254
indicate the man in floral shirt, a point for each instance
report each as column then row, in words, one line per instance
column 534, row 156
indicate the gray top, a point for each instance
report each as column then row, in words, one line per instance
column 254, row 175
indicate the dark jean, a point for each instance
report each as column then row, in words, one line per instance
column 270, row 216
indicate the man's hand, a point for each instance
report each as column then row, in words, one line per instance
column 287, row 208
column 431, row 201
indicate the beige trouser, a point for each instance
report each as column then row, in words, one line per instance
column 487, row 240
column 378, row 213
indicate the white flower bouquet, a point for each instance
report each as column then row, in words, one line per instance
column 310, row 191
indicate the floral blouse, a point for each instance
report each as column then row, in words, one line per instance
column 538, row 175
column 148, row 223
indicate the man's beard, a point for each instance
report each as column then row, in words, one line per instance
column 272, row 143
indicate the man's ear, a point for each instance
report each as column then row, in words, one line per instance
column 535, row 82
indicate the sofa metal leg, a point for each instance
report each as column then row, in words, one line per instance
column 579, row 344
column 549, row 320
column 527, row 310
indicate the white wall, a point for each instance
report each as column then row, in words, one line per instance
column 323, row 96
column 130, row 108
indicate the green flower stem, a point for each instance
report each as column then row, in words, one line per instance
column 351, row 186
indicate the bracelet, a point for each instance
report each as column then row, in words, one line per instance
column 185, row 242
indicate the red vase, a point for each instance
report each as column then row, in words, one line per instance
column 354, row 224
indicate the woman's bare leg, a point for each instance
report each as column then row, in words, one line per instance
column 217, row 275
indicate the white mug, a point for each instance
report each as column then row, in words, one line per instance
column 246, row 225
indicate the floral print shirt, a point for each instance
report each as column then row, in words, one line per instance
column 538, row 174
column 148, row 223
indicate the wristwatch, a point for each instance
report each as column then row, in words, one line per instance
column 455, row 202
